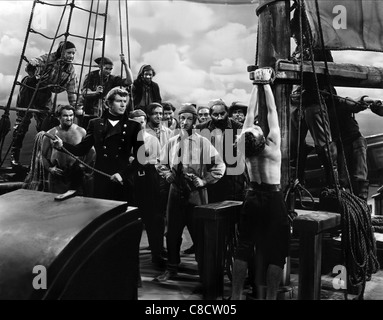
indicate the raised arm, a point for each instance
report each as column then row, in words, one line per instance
column 129, row 75
column 252, row 111
column 272, row 116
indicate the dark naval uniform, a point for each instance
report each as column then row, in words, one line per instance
column 113, row 148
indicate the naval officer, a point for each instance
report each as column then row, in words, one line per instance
column 115, row 137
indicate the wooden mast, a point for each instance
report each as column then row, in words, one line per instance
column 274, row 44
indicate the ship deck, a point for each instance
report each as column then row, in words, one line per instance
column 187, row 286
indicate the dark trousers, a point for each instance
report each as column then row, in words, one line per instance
column 355, row 153
column 180, row 214
column 150, row 196
column 320, row 131
column 41, row 101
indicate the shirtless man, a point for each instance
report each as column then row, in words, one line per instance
column 64, row 172
column 264, row 221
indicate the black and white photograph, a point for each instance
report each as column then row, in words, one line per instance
column 189, row 154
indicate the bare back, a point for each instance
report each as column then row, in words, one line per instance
column 266, row 166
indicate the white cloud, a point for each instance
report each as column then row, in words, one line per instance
column 165, row 17
column 8, row 45
column 5, row 88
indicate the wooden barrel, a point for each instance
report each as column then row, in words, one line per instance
column 79, row 248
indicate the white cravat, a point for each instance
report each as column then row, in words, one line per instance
column 113, row 122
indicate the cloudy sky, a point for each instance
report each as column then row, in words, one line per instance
column 199, row 51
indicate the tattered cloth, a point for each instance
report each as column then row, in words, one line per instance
column 351, row 25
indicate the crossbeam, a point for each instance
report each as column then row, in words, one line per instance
column 23, row 109
column 341, row 74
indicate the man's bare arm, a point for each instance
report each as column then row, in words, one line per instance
column 252, row 110
column 129, row 75
column 272, row 116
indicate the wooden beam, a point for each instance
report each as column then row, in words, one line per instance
column 24, row 109
column 341, row 74
column 273, row 45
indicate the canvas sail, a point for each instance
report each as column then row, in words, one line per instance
column 348, row 24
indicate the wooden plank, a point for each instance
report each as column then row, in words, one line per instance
column 23, row 109
column 310, row 225
column 315, row 221
column 310, row 259
column 341, row 74
column 214, row 226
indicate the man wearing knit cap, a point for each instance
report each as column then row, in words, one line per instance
column 53, row 73
column 99, row 82
column 221, row 131
column 188, row 162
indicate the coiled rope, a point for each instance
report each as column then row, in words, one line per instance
column 358, row 240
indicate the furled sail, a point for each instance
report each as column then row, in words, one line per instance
column 347, row 24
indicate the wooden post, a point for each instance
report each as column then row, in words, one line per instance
column 274, row 44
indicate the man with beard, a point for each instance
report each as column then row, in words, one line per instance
column 188, row 163
column 64, row 172
column 113, row 137
column 221, row 131
column 144, row 89
column 50, row 73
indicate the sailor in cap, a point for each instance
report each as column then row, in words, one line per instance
column 97, row 83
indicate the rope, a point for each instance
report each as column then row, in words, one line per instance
column 121, row 45
column 294, row 187
column 85, row 164
column 128, row 46
column 44, row 70
column 92, row 50
column 327, row 75
column 36, row 178
column 103, row 44
column 78, row 159
column 84, row 52
column 127, row 30
column 22, row 57
column 359, row 244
